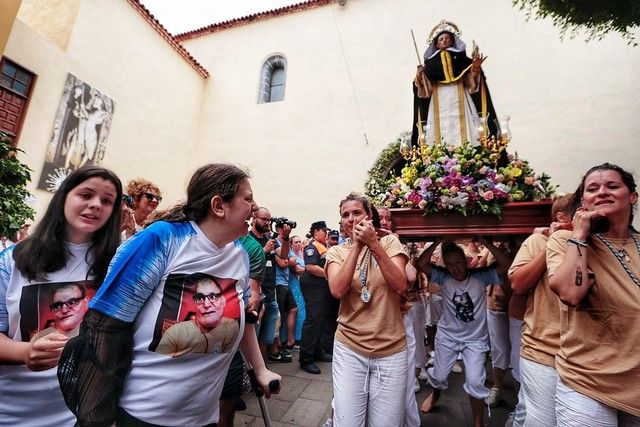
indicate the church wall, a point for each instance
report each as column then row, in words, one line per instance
column 157, row 94
column 573, row 104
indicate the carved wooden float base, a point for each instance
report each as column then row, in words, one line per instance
column 516, row 219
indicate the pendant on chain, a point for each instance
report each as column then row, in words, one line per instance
column 365, row 294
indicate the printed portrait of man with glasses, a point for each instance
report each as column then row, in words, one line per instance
column 69, row 303
column 205, row 328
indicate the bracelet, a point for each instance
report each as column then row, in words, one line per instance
column 577, row 242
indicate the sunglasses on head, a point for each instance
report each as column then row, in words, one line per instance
column 151, row 197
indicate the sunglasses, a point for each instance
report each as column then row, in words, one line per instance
column 151, row 197
column 57, row 306
column 212, row 297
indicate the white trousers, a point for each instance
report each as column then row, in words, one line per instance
column 576, row 409
column 433, row 309
column 368, row 391
column 418, row 322
column 515, row 333
column 473, row 356
column 411, row 414
column 498, row 325
column 538, row 388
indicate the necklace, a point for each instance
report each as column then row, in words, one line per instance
column 622, row 255
column 363, row 267
column 618, row 252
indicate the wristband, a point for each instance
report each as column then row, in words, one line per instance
column 577, row 242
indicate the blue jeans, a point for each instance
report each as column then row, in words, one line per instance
column 267, row 329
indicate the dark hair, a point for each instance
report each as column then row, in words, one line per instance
column 375, row 217
column 453, row 36
column 70, row 285
column 627, row 179
column 194, row 279
column 213, row 179
column 450, row 248
column 45, row 251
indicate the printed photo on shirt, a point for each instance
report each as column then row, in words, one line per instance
column 54, row 307
column 199, row 314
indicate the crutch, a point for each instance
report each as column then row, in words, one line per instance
column 273, row 386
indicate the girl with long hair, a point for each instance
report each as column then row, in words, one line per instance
column 115, row 371
column 45, row 281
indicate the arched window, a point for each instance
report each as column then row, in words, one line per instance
column 272, row 79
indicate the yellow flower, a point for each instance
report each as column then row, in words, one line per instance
column 516, row 172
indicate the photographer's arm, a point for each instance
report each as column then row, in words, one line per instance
column 282, row 262
column 284, row 248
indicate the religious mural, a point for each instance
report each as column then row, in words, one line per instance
column 79, row 134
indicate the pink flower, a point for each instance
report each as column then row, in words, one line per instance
column 414, row 197
column 488, row 195
column 529, row 180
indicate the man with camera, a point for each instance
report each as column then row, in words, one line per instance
column 286, row 302
column 261, row 232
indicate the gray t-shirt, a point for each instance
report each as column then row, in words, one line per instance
column 464, row 316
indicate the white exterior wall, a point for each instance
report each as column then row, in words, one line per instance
column 157, row 94
column 349, row 71
column 573, row 104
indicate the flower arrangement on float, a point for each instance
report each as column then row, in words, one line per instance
column 469, row 179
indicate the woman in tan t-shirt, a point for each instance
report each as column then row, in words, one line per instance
column 369, row 367
column 596, row 273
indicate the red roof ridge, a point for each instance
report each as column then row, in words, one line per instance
column 175, row 44
column 244, row 20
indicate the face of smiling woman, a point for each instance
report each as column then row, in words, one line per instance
column 606, row 193
column 351, row 213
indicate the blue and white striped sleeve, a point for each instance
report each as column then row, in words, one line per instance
column 137, row 269
column 6, row 267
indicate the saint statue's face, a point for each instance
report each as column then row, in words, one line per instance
column 444, row 41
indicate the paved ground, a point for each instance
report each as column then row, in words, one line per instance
column 305, row 401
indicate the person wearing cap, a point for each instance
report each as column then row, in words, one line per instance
column 332, row 238
column 315, row 290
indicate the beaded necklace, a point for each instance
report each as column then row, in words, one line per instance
column 363, row 267
column 622, row 255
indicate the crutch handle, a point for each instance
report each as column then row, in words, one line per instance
column 274, row 385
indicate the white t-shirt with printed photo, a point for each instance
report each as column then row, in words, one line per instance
column 464, row 314
column 29, row 398
column 149, row 283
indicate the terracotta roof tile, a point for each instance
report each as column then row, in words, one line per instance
column 260, row 16
column 168, row 37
